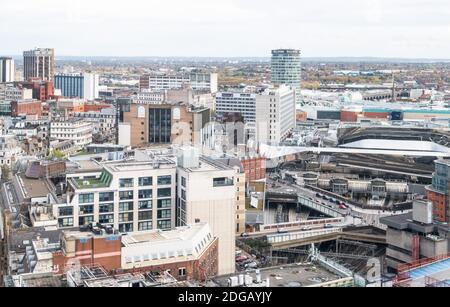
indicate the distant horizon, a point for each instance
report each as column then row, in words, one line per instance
column 264, row 58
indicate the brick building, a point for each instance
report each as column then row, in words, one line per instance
column 255, row 168
column 187, row 253
column 165, row 124
column 31, row 107
column 42, row 90
column 88, row 248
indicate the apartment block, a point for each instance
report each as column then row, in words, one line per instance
column 129, row 196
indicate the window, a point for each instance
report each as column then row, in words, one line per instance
column 164, row 225
column 126, row 195
column 146, row 205
column 145, row 215
column 89, row 209
column 183, row 194
column 126, row 183
column 144, row 194
column 182, row 272
column 126, row 227
column 106, row 208
column 144, row 226
column 106, row 219
column 106, row 197
column 86, row 198
column 183, row 182
column 65, row 211
column 222, row 182
column 65, row 222
column 126, row 217
column 164, row 203
column 165, row 192
column 164, row 180
column 125, row 207
column 145, row 181
column 85, row 220
column 164, row 214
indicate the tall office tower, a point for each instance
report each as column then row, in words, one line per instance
column 286, row 69
column 84, row 86
column 39, row 63
column 275, row 115
column 7, row 70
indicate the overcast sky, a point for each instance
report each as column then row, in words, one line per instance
column 381, row 28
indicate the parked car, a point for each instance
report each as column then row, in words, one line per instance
column 251, row 265
column 328, row 226
column 241, row 258
column 245, row 235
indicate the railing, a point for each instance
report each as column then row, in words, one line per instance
column 299, row 224
column 282, row 238
column 421, row 263
column 321, row 208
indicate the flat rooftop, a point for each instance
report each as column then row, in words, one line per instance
column 178, row 234
column 126, row 166
column 405, row 222
column 297, row 275
column 33, row 187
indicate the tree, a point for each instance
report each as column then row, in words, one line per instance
column 57, row 154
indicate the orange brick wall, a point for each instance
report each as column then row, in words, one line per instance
column 27, row 108
column 348, row 116
column 255, row 169
column 439, row 205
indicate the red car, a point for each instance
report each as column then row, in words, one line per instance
column 241, row 258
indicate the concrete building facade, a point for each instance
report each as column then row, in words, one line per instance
column 207, row 193
column 39, row 63
column 275, row 115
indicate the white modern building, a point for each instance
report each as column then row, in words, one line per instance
column 156, row 248
column 207, row 193
column 237, row 102
column 168, row 81
column 275, row 115
column 149, row 97
column 131, row 196
column 7, row 70
column 78, row 131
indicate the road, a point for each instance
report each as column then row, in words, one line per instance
column 353, row 215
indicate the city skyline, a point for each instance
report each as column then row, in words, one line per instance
column 403, row 29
